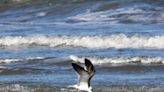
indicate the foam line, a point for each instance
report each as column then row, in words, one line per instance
column 100, row 42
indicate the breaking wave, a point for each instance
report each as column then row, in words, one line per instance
column 92, row 42
column 124, row 15
column 12, row 60
column 95, row 60
column 75, row 11
column 120, row 60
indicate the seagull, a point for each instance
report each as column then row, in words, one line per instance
column 84, row 75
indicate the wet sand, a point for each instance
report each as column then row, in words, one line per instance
column 44, row 88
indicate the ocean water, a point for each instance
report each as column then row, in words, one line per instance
column 40, row 39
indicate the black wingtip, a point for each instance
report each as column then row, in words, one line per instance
column 73, row 64
column 88, row 62
column 89, row 66
column 77, row 68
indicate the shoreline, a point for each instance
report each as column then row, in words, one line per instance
column 50, row 88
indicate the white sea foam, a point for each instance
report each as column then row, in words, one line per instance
column 41, row 14
column 7, row 61
column 104, row 15
column 133, row 14
column 13, row 60
column 94, row 59
column 15, row 88
column 113, row 41
column 122, row 60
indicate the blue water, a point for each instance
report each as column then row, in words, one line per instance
column 123, row 39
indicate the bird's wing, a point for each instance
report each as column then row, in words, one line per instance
column 83, row 75
column 89, row 66
column 78, row 68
